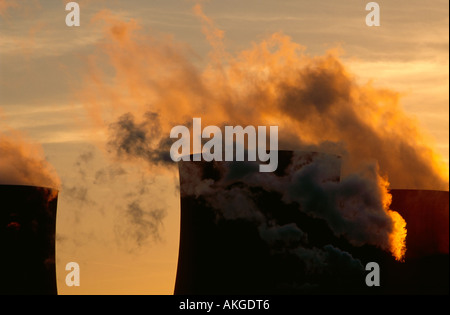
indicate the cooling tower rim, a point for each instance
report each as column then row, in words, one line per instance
column 30, row 186
column 417, row 190
column 282, row 150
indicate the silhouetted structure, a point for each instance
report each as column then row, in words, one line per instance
column 426, row 267
column 239, row 236
column 27, row 240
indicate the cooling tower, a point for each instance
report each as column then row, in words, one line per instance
column 222, row 217
column 242, row 233
column 427, row 215
column 27, row 240
column 426, row 267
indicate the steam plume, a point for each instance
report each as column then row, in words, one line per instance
column 315, row 101
column 23, row 163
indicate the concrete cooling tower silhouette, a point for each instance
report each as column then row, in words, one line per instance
column 246, row 232
column 27, row 240
column 426, row 267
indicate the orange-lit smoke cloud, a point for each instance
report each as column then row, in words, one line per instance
column 23, row 163
column 397, row 236
column 314, row 100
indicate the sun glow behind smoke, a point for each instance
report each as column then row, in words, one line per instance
column 397, row 237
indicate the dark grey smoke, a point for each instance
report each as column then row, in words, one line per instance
column 141, row 225
column 78, row 191
column 137, row 223
column 352, row 207
column 140, row 140
column 108, row 174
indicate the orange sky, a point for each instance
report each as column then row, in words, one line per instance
column 50, row 75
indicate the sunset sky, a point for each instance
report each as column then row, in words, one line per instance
column 59, row 90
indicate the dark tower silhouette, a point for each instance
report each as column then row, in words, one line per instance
column 27, row 240
column 427, row 215
column 240, row 237
column 222, row 252
column 426, row 267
